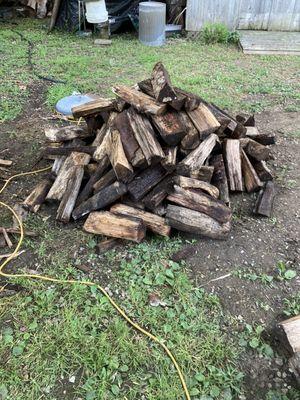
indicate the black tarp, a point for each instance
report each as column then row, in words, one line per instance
column 118, row 11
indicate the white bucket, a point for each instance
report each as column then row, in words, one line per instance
column 96, row 12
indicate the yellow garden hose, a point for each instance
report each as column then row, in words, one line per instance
column 86, row 283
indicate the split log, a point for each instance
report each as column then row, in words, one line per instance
column 131, row 147
column 251, row 179
column 107, row 245
column 146, row 87
column 191, row 183
column 192, row 138
column 157, row 195
column 5, row 163
column 265, row 199
column 197, row 157
column 263, row 171
column 179, row 103
column 196, row 222
column 201, row 202
column 219, row 178
column 152, row 222
column 60, row 184
column 256, row 150
column 145, row 136
column 203, row 173
column 234, row 164
column 170, row 127
column 103, row 132
column 238, row 132
column 65, row 151
column 245, row 119
column 142, row 102
column 105, row 180
column 66, row 133
column 90, row 169
column 191, row 100
column 93, row 107
column 263, row 138
column 118, row 226
column 169, row 162
column 58, row 163
column 161, row 84
column 6, row 238
column 290, row 334
column 100, row 200
column 37, row 197
column 118, row 159
column 204, row 121
column 145, row 181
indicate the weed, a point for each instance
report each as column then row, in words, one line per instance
column 292, row 305
column 252, row 276
column 218, row 33
column 252, row 338
column 285, row 273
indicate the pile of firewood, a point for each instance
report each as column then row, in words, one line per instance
column 155, row 157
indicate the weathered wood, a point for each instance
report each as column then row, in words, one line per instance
column 157, row 195
column 145, row 136
column 6, row 238
column 201, row 202
column 161, row 84
column 118, row 226
column 145, row 181
column 196, row 222
column 203, row 173
column 108, row 244
column 152, row 222
column 66, row 133
column 93, row 107
column 219, row 178
column 246, row 119
column 263, row 138
column 191, row 101
column 68, row 201
column 103, row 132
column 294, row 366
column 131, row 147
column 239, row 131
column 59, row 186
column 17, row 231
column 263, row 171
column 197, row 157
column 192, row 183
column 94, row 123
column 5, row 163
column 251, row 179
column 146, row 87
column 170, row 127
column 58, row 162
column 118, row 159
column 65, row 151
column 37, row 197
column 169, row 162
column 179, row 103
column 100, row 200
column 256, row 150
column 192, row 138
column 204, row 121
column 290, row 337
column 234, row 164
column 142, row 102
column 105, row 180
column 265, row 199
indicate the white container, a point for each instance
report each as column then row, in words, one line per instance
column 96, row 12
column 152, row 23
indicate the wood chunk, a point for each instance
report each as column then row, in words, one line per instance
column 145, row 136
column 239, row 131
column 192, row 138
column 58, row 163
column 169, row 162
column 118, row 226
column 170, row 127
column 90, row 169
column 263, row 138
column 37, row 197
column 66, row 133
column 18, row 232
column 263, row 171
column 131, row 147
column 93, row 107
column 102, row 199
column 60, row 184
column 103, row 132
column 145, row 181
column 219, row 178
column 6, row 238
column 196, row 222
column 234, row 164
column 5, row 163
column 107, row 245
column 157, row 195
column 251, row 179
column 216, row 209
column 192, row 183
column 142, row 102
column 246, row 119
column 146, row 87
column 65, row 151
column 256, row 150
column 94, row 123
column 179, row 103
column 105, row 180
column 265, row 199
column 161, row 84
column 197, row 157
column 204, row 121
column 203, row 173
column 191, row 100
column 68, row 201
column 291, row 334
column 152, row 222
column 294, row 366
column 118, row 159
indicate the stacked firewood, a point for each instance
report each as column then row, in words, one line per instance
column 154, row 158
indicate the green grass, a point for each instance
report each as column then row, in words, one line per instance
column 219, row 73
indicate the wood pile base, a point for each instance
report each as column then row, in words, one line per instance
column 154, row 158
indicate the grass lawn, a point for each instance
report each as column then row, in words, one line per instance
column 59, row 342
